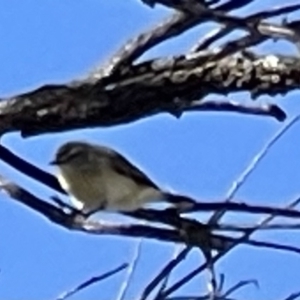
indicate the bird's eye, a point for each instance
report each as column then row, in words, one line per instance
column 73, row 155
column 66, row 156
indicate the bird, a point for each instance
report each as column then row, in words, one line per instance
column 97, row 177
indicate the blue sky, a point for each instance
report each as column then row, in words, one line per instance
column 55, row 41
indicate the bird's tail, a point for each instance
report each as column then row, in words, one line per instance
column 183, row 203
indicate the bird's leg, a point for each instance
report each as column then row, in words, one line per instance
column 88, row 213
column 73, row 213
column 63, row 205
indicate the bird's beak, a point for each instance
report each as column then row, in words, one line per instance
column 54, row 163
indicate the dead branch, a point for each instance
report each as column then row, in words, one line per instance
column 165, row 86
column 242, row 239
column 91, row 281
column 120, row 92
column 202, row 205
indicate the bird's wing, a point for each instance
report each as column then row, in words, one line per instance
column 124, row 167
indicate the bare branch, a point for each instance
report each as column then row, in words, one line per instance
column 123, row 91
column 188, row 6
column 242, row 239
column 253, row 165
column 190, row 232
column 254, row 18
column 239, row 285
column 133, row 49
column 49, row 180
column 194, row 233
column 243, row 227
column 192, row 13
column 29, row 169
column 130, row 270
column 234, row 4
column 170, row 85
column 91, row 281
column 165, row 280
column 215, row 106
column 167, row 269
column 293, row 296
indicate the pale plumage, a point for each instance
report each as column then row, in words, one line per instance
column 98, row 178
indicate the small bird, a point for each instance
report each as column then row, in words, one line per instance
column 99, row 178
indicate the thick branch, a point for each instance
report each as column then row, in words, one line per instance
column 188, row 17
column 194, row 13
column 154, row 87
column 193, row 234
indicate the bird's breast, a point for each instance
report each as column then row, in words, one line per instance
column 86, row 190
column 91, row 190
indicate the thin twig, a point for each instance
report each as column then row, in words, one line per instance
column 237, row 184
column 293, row 296
column 167, row 269
column 29, row 169
column 241, row 108
column 167, row 277
column 133, row 49
column 244, row 227
column 130, row 270
column 246, row 236
column 91, row 281
column 219, row 33
column 239, row 285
